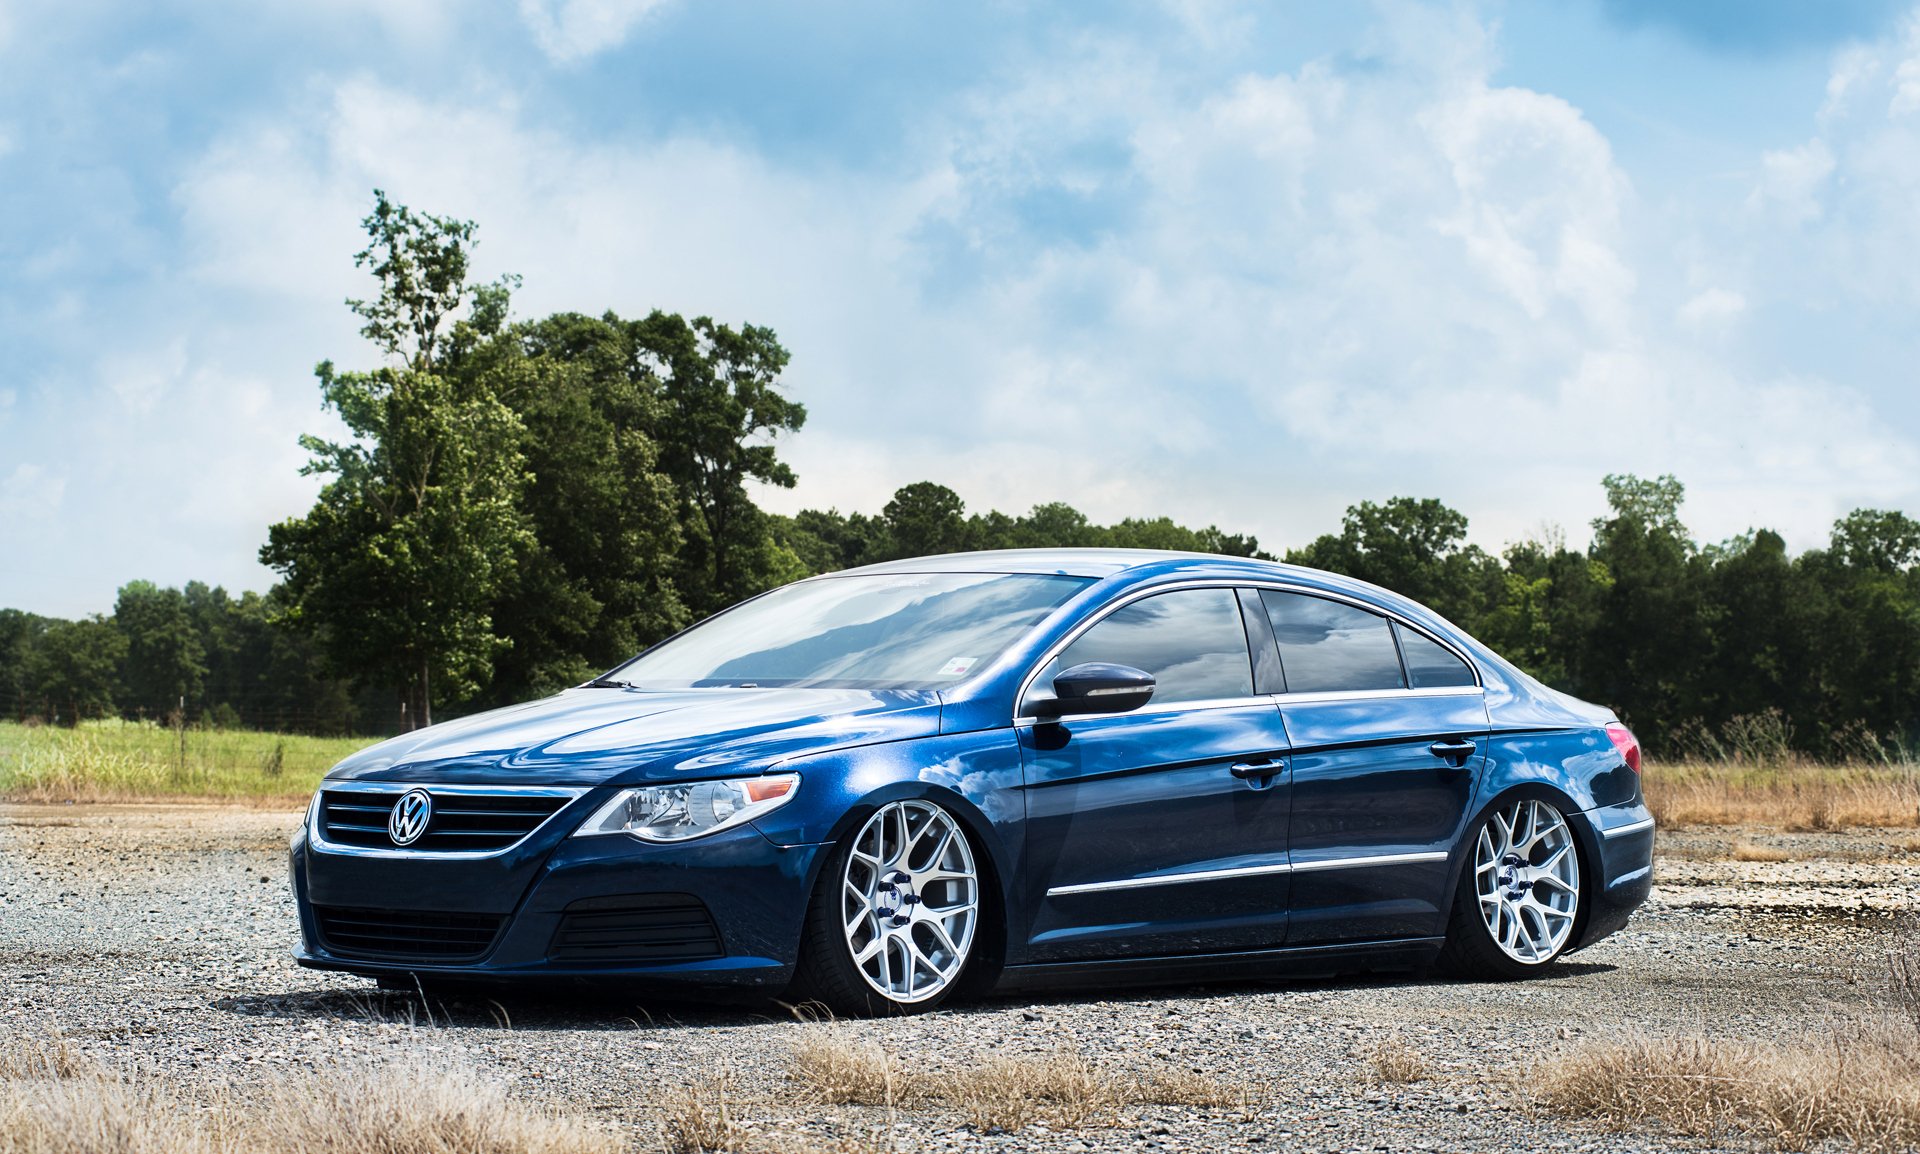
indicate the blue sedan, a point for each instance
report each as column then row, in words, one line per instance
column 1003, row 770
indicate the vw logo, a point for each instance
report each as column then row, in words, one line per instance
column 410, row 817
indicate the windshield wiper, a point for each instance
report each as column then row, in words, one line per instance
column 609, row 683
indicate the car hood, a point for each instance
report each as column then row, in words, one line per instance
column 626, row 736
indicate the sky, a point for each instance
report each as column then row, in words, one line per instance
column 1244, row 264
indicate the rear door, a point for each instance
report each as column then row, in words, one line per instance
column 1389, row 730
column 1141, row 838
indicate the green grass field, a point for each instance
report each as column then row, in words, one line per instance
column 109, row 761
column 127, row 761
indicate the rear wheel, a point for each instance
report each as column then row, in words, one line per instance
column 1517, row 910
column 893, row 920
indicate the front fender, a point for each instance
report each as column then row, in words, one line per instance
column 976, row 776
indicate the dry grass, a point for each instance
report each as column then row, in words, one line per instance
column 1903, row 969
column 96, row 1114
column 116, row 761
column 1748, row 851
column 52, row 1101
column 1860, row 1084
column 1785, row 794
column 1186, row 1088
column 415, row 1104
column 25, row 1059
column 834, row 1064
column 1395, row 1061
column 1007, row 1093
column 840, row 1068
column 703, row 1120
column 1857, row 1082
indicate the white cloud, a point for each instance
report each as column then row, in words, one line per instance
column 569, row 30
column 1793, row 180
column 30, row 493
column 1343, row 283
column 1712, row 308
column 141, row 380
column 1278, row 293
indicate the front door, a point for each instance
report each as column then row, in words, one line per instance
column 1142, row 839
column 1389, row 731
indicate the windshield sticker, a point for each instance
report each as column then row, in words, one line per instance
column 958, row 666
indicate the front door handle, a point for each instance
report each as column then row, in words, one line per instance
column 1454, row 753
column 1261, row 770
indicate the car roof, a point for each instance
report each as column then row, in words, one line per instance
column 1068, row 562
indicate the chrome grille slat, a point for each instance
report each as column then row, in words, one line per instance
column 467, row 820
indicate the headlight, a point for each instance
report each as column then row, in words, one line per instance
column 680, row 812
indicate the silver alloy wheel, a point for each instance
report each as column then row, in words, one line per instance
column 909, row 900
column 1527, row 874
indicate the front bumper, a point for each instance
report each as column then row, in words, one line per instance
column 755, row 892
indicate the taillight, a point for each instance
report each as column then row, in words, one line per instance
column 1627, row 744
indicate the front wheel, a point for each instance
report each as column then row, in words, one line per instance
column 894, row 915
column 1517, row 911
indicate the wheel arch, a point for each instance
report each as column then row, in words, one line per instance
column 1586, row 842
column 991, row 932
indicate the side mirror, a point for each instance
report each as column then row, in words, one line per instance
column 1097, row 687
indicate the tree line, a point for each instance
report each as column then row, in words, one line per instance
column 523, row 503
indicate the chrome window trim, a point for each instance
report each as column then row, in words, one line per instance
column 1479, row 682
column 1644, row 824
column 314, row 836
column 1250, row 871
column 1283, row 699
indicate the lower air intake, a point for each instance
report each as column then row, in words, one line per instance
column 636, row 928
column 406, row 935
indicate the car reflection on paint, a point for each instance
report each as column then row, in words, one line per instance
column 996, row 770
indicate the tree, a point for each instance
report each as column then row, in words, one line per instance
column 398, row 565
column 1877, row 539
column 1653, row 638
column 723, row 411
column 924, row 519
column 74, row 668
column 1415, row 547
column 598, row 581
column 165, row 666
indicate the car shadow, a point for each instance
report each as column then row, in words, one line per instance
column 504, row 1009
column 589, row 1008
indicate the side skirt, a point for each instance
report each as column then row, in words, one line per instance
column 1300, row 961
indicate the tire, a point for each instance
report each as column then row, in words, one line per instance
column 1520, row 895
column 895, row 914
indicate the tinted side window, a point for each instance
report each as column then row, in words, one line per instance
column 1191, row 640
column 1429, row 664
column 1332, row 646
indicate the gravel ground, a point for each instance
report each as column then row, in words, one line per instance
column 160, row 935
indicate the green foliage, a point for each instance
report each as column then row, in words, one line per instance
column 1415, row 547
column 73, row 668
column 397, row 567
column 926, row 518
column 723, row 409
column 597, row 580
column 166, row 661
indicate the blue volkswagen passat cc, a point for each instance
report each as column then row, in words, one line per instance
column 996, row 770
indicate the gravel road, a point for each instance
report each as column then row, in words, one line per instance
column 160, row 935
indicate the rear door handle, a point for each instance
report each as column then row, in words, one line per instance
column 1454, row 753
column 1257, row 769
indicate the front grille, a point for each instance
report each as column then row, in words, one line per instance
column 414, row 934
column 462, row 822
column 636, row 928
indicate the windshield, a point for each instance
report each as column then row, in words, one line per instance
column 902, row 631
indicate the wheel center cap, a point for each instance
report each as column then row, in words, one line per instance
column 893, row 898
